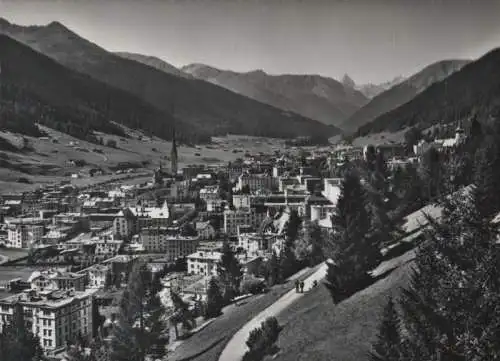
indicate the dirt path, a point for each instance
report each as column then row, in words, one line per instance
column 236, row 347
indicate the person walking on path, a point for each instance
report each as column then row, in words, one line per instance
column 297, row 285
column 301, row 286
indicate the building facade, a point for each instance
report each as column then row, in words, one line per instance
column 242, row 217
column 172, row 245
column 54, row 316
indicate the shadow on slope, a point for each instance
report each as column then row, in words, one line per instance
column 316, row 329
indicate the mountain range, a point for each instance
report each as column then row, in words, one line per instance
column 201, row 107
column 312, row 96
column 35, row 88
column 401, row 93
column 371, row 90
column 473, row 90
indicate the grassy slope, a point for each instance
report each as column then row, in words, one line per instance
column 225, row 326
column 45, row 165
column 315, row 329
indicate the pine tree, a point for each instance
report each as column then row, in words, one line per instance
column 309, row 246
column 215, row 300
column 487, row 175
column 135, row 333
column 274, row 270
column 432, row 173
column 182, row 313
column 388, row 344
column 229, row 272
column 353, row 250
column 17, row 342
column 450, row 311
column 293, row 226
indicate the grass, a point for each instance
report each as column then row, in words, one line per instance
column 315, row 329
column 13, row 253
column 225, row 326
column 49, row 162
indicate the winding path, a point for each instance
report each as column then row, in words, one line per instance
column 236, row 347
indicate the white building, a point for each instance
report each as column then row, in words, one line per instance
column 152, row 216
column 54, row 279
column 125, row 223
column 203, row 263
column 54, row 316
column 106, row 247
column 255, row 244
column 241, row 201
column 24, row 232
column 255, row 181
column 172, row 245
column 208, row 193
column 96, row 275
column 241, row 217
column 205, row 230
column 332, row 189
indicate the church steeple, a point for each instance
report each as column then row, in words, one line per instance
column 173, row 155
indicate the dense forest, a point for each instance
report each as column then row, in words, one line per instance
column 475, row 89
column 35, row 88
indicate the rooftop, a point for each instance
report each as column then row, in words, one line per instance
column 51, row 299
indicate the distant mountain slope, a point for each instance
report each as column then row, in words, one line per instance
column 313, row 96
column 202, row 106
column 372, row 90
column 473, row 89
column 154, row 62
column 36, row 88
column 402, row 92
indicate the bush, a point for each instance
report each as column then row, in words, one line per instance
column 111, row 143
column 253, row 285
column 261, row 341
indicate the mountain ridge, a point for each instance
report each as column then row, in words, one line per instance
column 211, row 109
column 403, row 92
column 313, row 96
column 37, row 88
column 473, row 90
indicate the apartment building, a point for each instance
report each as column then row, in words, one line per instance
column 242, row 217
column 255, row 182
column 24, row 232
column 203, row 263
column 96, row 275
column 171, row 244
column 54, row 316
column 54, row 279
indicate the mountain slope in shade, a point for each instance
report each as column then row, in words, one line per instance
column 197, row 104
column 36, row 88
column 475, row 89
column 154, row 62
column 402, row 92
column 312, row 96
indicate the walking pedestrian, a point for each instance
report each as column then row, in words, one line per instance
column 297, row 285
column 301, row 286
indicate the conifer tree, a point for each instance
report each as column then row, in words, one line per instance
column 450, row 311
column 138, row 321
column 215, row 300
column 487, row 175
column 274, row 270
column 353, row 251
column 229, row 272
column 17, row 342
column 388, row 344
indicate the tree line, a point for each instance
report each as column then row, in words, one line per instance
column 450, row 309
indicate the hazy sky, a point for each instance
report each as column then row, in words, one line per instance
column 371, row 40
